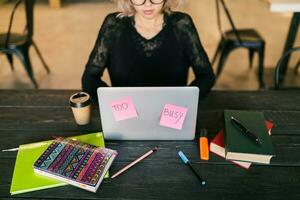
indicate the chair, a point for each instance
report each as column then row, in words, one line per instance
column 236, row 38
column 297, row 67
column 18, row 43
column 278, row 69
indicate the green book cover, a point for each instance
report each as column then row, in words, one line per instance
column 240, row 147
column 25, row 180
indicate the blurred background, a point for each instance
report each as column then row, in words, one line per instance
column 65, row 32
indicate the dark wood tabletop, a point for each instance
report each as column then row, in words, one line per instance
column 34, row 115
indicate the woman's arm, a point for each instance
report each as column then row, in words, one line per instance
column 98, row 59
column 204, row 75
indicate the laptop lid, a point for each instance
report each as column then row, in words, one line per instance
column 150, row 105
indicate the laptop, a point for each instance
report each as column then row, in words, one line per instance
column 149, row 104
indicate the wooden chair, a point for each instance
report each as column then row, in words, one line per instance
column 277, row 78
column 18, row 43
column 238, row 38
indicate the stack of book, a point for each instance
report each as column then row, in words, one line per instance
column 25, row 178
column 80, row 164
column 236, row 145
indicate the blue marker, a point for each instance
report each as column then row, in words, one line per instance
column 186, row 161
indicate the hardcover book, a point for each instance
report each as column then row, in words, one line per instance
column 217, row 146
column 77, row 163
column 25, row 180
column 240, row 147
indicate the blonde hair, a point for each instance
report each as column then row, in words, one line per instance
column 126, row 8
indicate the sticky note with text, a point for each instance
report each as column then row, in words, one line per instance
column 173, row 116
column 123, row 109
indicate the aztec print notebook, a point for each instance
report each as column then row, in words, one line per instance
column 25, row 180
column 79, row 164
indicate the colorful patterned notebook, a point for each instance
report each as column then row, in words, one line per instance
column 79, row 164
column 25, row 180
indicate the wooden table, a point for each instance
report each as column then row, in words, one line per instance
column 288, row 6
column 34, row 115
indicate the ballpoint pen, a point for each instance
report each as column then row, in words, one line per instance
column 186, row 161
column 245, row 131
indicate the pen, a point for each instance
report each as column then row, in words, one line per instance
column 246, row 131
column 186, row 161
column 13, row 149
column 135, row 162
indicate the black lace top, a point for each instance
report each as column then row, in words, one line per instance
column 163, row 60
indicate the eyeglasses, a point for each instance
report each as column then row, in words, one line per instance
column 142, row 2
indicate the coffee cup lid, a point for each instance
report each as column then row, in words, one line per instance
column 80, row 100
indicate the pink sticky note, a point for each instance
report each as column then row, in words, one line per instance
column 123, row 108
column 173, row 116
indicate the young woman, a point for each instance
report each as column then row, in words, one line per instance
column 147, row 44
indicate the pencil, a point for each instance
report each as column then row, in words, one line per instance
column 134, row 162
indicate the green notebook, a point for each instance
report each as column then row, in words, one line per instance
column 25, row 180
column 240, row 147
